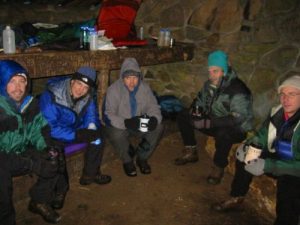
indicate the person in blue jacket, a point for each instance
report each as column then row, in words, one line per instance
column 72, row 114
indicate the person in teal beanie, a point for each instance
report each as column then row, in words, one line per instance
column 220, row 59
column 222, row 109
column 277, row 145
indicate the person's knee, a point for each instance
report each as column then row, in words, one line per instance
column 160, row 128
column 115, row 134
column 183, row 116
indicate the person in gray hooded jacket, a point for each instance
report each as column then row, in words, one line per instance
column 131, row 109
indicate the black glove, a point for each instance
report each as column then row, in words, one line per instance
column 87, row 135
column 45, row 167
column 59, row 151
column 152, row 124
column 133, row 123
column 196, row 112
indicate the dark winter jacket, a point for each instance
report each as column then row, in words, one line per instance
column 270, row 132
column 63, row 114
column 22, row 127
column 228, row 105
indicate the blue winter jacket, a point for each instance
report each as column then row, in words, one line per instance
column 64, row 115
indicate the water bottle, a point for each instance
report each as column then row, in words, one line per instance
column 161, row 36
column 141, row 33
column 84, row 37
column 93, row 39
column 9, row 44
column 167, row 38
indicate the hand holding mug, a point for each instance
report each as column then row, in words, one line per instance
column 252, row 153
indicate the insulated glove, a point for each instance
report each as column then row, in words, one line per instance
column 152, row 124
column 132, row 123
column 202, row 123
column 256, row 167
column 195, row 112
column 87, row 135
column 59, row 150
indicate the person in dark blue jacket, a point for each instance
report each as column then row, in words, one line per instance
column 72, row 114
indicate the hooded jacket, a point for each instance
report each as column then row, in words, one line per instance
column 63, row 114
column 228, row 105
column 22, row 126
column 117, row 105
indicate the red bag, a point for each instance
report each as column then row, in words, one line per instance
column 117, row 17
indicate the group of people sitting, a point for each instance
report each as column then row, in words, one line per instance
column 34, row 133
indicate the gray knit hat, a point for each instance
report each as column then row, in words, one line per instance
column 293, row 81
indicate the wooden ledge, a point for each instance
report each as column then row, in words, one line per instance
column 53, row 63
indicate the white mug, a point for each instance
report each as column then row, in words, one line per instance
column 144, row 124
column 252, row 153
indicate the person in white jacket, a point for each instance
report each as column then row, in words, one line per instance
column 131, row 109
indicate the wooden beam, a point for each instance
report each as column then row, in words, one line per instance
column 53, row 63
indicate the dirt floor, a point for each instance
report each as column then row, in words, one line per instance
column 171, row 195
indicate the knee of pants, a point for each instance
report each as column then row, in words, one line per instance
column 159, row 129
column 116, row 134
column 183, row 116
column 154, row 136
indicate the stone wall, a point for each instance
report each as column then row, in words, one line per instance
column 261, row 38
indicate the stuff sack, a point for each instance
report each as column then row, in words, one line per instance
column 170, row 106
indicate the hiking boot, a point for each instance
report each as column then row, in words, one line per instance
column 189, row 155
column 129, row 169
column 98, row 179
column 216, row 175
column 230, row 204
column 144, row 166
column 45, row 210
column 58, row 201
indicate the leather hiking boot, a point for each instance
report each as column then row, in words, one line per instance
column 230, row 204
column 98, row 179
column 189, row 155
column 129, row 169
column 215, row 176
column 45, row 210
column 144, row 166
column 58, row 201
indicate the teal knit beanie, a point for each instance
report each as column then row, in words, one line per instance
column 220, row 59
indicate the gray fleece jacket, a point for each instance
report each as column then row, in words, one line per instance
column 117, row 103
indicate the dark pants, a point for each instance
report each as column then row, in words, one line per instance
column 92, row 161
column 120, row 141
column 42, row 191
column 288, row 194
column 224, row 137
